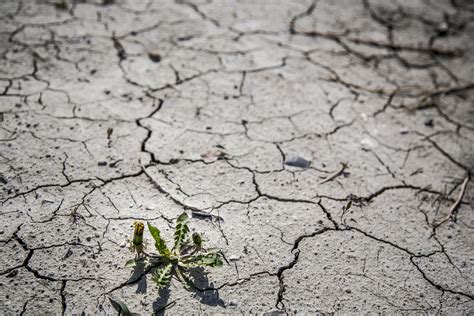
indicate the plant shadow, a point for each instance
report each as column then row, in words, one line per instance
column 161, row 302
column 205, row 289
column 139, row 276
column 202, row 288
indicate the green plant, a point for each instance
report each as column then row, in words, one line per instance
column 186, row 253
column 121, row 308
column 136, row 244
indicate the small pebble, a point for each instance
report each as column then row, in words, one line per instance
column 429, row 122
column 443, row 27
column 297, row 162
column 234, row 258
column 154, row 56
column 368, row 143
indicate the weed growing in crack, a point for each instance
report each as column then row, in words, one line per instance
column 187, row 253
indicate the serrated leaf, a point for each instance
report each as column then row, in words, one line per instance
column 181, row 231
column 211, row 259
column 162, row 276
column 160, row 244
column 121, row 308
column 182, row 276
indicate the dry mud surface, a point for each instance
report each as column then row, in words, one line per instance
column 115, row 111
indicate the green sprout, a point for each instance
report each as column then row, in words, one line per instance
column 121, row 308
column 187, row 253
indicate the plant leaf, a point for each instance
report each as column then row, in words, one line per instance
column 347, row 206
column 187, row 283
column 210, row 259
column 160, row 244
column 120, row 307
column 162, row 276
column 197, row 239
column 162, row 308
column 181, row 231
column 130, row 263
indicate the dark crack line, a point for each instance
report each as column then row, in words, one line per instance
column 296, row 252
column 436, row 285
column 63, row 297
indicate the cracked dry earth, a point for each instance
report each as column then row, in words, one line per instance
column 118, row 111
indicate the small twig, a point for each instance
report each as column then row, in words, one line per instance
column 205, row 215
column 456, row 203
column 335, row 174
